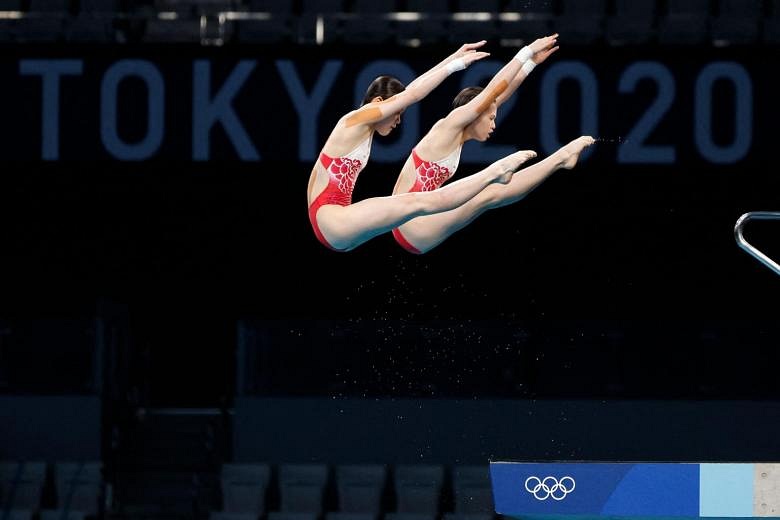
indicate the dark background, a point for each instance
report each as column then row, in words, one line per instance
column 166, row 317
column 614, row 276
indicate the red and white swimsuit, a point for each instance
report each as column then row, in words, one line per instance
column 342, row 174
column 429, row 176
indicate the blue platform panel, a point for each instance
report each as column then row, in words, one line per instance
column 647, row 490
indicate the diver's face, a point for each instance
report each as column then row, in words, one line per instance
column 484, row 125
column 388, row 124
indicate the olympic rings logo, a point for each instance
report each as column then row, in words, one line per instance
column 549, row 487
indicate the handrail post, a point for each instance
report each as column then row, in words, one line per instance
column 747, row 246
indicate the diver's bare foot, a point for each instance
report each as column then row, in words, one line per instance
column 509, row 164
column 570, row 153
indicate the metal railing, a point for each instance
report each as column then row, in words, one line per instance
column 747, row 246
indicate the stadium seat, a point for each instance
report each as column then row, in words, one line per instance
column 91, row 28
column 286, row 515
column 469, row 22
column 338, row 515
column 361, row 487
column 533, row 20
column 686, row 22
column 322, row 6
column 429, row 28
column 78, row 486
column 633, row 23
column 7, row 30
column 22, row 484
column 410, row 516
column 277, row 7
column 738, row 22
column 64, row 514
column 471, row 486
column 319, row 21
column 468, row 516
column 10, row 5
column 374, row 6
column 172, row 31
column 45, row 22
column 45, row 29
column 182, row 7
column 49, row 6
column 418, row 488
column 17, row 514
column 302, row 487
column 99, row 6
column 770, row 31
column 462, row 30
column 476, row 6
column 581, row 21
column 196, row 6
column 428, row 6
column 366, row 30
column 277, row 29
column 371, row 26
column 426, row 31
column 222, row 515
column 244, row 488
